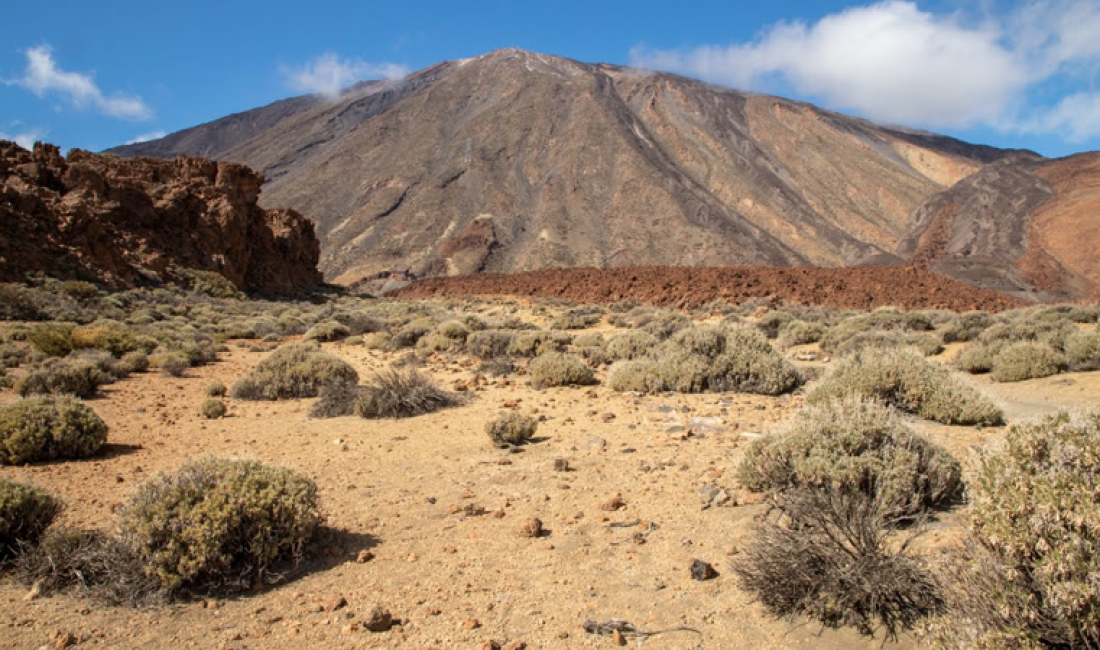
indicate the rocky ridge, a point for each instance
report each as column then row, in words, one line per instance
column 127, row 223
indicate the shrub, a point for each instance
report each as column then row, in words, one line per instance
column 1083, row 350
column 173, row 364
column 112, row 336
column 62, row 376
column 635, row 375
column 577, row 319
column 928, row 344
column 452, row 330
column 511, row 429
column 1026, row 328
column 705, row 340
column 12, row 355
column 132, row 362
column 538, row 342
column 559, row 369
column 359, row 323
column 831, row 555
column 856, row 445
column 800, row 333
column 327, row 331
column 666, row 323
column 52, row 339
column 884, row 319
column 747, row 367
column 336, row 400
column 216, row 389
column 407, row 336
column 903, row 378
column 212, row 409
column 217, row 523
column 401, row 394
column 771, row 322
column 1027, row 574
column 631, row 345
column 1027, row 360
column 25, row 513
column 48, row 428
column 293, row 371
column 489, row 344
column 966, row 327
column 497, row 366
column 377, row 341
column 977, row 357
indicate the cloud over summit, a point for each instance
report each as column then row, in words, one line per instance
column 327, row 75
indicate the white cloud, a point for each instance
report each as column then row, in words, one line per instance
column 43, row 77
column 327, row 75
column 145, row 137
column 25, row 139
column 893, row 62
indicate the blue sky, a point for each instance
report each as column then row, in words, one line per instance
column 1022, row 73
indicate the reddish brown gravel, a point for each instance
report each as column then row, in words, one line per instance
column 681, row 287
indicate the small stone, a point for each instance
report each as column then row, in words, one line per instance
column 471, row 624
column 515, row 645
column 210, row 603
column 532, row 528
column 617, row 638
column 364, row 557
column 489, row 645
column 378, row 619
column 34, row 592
column 701, row 570
column 563, row 635
column 614, row 503
column 333, row 604
column 561, row 465
column 607, row 417
column 64, row 640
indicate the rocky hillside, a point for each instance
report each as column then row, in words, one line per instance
column 516, row 161
column 143, row 221
column 1016, row 225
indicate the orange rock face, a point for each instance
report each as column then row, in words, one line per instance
column 137, row 222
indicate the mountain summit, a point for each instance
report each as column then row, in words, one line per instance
column 516, row 161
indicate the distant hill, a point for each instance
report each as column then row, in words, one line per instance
column 516, row 161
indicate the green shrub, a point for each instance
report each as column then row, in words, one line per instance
column 701, row 339
column 489, row 344
column 928, row 344
column 1027, row 575
column 293, row 371
column 1026, row 328
column 836, row 556
column 885, row 319
column 401, row 394
column 359, row 323
column 212, row 409
column 538, row 342
column 773, row 321
column 635, row 375
column 511, row 429
column 435, row 342
column 559, row 369
column 112, row 336
column 452, row 330
column 377, row 341
column 48, row 428
column 216, row 389
column 53, row 339
column 12, row 355
column 858, row 445
column 631, row 345
column 62, row 377
column 173, row 364
column 407, row 336
column 327, row 331
column 1083, row 350
column 1027, row 360
column 665, row 323
column 577, row 319
column 217, row 523
column 966, row 327
column 978, row 357
column 750, row 365
column 25, row 513
column 132, row 362
column 903, row 378
column 799, row 333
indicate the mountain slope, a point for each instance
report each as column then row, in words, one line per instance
column 517, row 161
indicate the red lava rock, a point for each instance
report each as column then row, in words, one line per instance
column 614, row 503
column 860, row 287
column 364, row 557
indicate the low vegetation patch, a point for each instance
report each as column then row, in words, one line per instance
column 49, row 428
column 904, row 379
column 559, row 369
column 212, row 409
column 511, row 429
column 62, row 377
column 1026, row 576
column 401, row 393
column 293, row 371
column 1027, row 360
column 857, row 445
column 25, row 513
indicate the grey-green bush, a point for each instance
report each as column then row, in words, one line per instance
column 854, row 444
column 293, row 371
column 511, row 429
column 212, row 408
column 216, row 523
column 25, row 513
column 559, row 369
column 400, row 394
column 62, row 377
column 631, row 345
column 903, row 378
column 49, row 428
column 1027, row 360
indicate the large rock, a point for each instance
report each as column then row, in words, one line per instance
column 143, row 221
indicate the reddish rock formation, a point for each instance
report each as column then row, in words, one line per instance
column 127, row 223
column 863, row 287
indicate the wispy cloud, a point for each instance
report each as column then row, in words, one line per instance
column 25, row 139
column 146, row 137
column 327, row 75
column 893, row 62
column 43, row 77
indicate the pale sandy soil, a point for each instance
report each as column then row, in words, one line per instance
column 392, row 487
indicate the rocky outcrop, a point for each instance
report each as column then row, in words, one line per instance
column 144, row 221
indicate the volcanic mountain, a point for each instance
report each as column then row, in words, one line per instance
column 516, row 161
